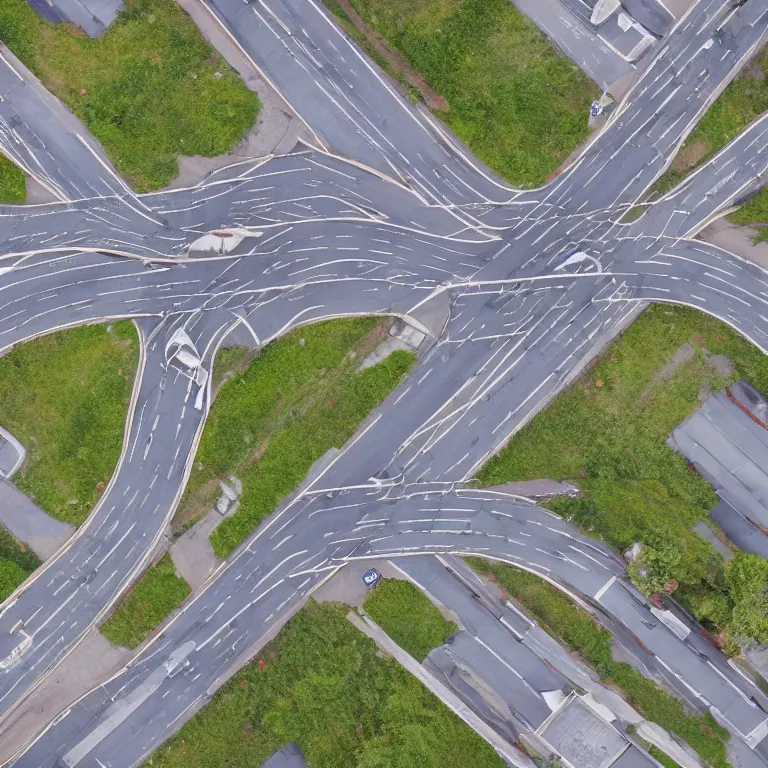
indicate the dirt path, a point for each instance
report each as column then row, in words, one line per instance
column 431, row 98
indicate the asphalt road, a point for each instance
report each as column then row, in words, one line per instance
column 316, row 236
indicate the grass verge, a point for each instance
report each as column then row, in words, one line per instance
column 569, row 624
column 607, row 433
column 408, row 616
column 13, row 183
column 159, row 592
column 742, row 102
column 258, row 397
column 300, row 396
column 151, row 88
column 346, row 24
column 65, row 397
column 325, row 687
column 16, row 563
column 520, row 107
column 292, row 450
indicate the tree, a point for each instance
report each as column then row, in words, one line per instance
column 659, row 562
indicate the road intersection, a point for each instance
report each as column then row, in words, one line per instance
column 397, row 220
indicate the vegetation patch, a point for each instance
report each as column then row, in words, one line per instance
column 258, row 397
column 521, row 107
column 607, row 433
column 299, row 398
column 159, row 592
column 742, row 102
column 13, row 182
column 150, row 89
column 17, row 562
column 573, row 627
column 408, row 616
column 65, row 397
column 322, row 684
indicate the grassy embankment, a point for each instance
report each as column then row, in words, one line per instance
column 519, row 106
column 408, row 616
column 13, row 183
column 16, row 563
column 273, row 416
column 301, row 396
column 326, row 688
column 65, row 397
column 569, row 624
column 745, row 99
column 159, row 592
column 151, row 88
column 607, row 433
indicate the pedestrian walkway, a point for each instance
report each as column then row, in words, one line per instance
column 42, row 533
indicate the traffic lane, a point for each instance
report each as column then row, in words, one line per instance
column 108, row 224
column 284, row 559
column 737, row 172
column 290, row 186
column 47, row 292
column 686, row 74
column 308, row 243
column 454, row 367
column 39, row 134
column 704, row 680
column 530, row 361
column 433, row 577
column 145, row 706
column 465, row 661
column 348, row 101
column 54, row 609
column 705, row 277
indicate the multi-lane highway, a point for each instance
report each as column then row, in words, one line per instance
column 399, row 220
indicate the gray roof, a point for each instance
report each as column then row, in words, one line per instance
column 635, row 758
column 94, row 16
column 288, row 757
column 730, row 449
column 582, row 737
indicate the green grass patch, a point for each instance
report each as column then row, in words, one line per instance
column 754, row 211
column 519, row 106
column 742, row 102
column 13, row 183
column 300, row 397
column 569, row 624
column 147, row 89
column 326, row 688
column 159, row 592
column 408, row 616
column 608, row 432
column 17, row 562
column 662, row 758
column 65, row 397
